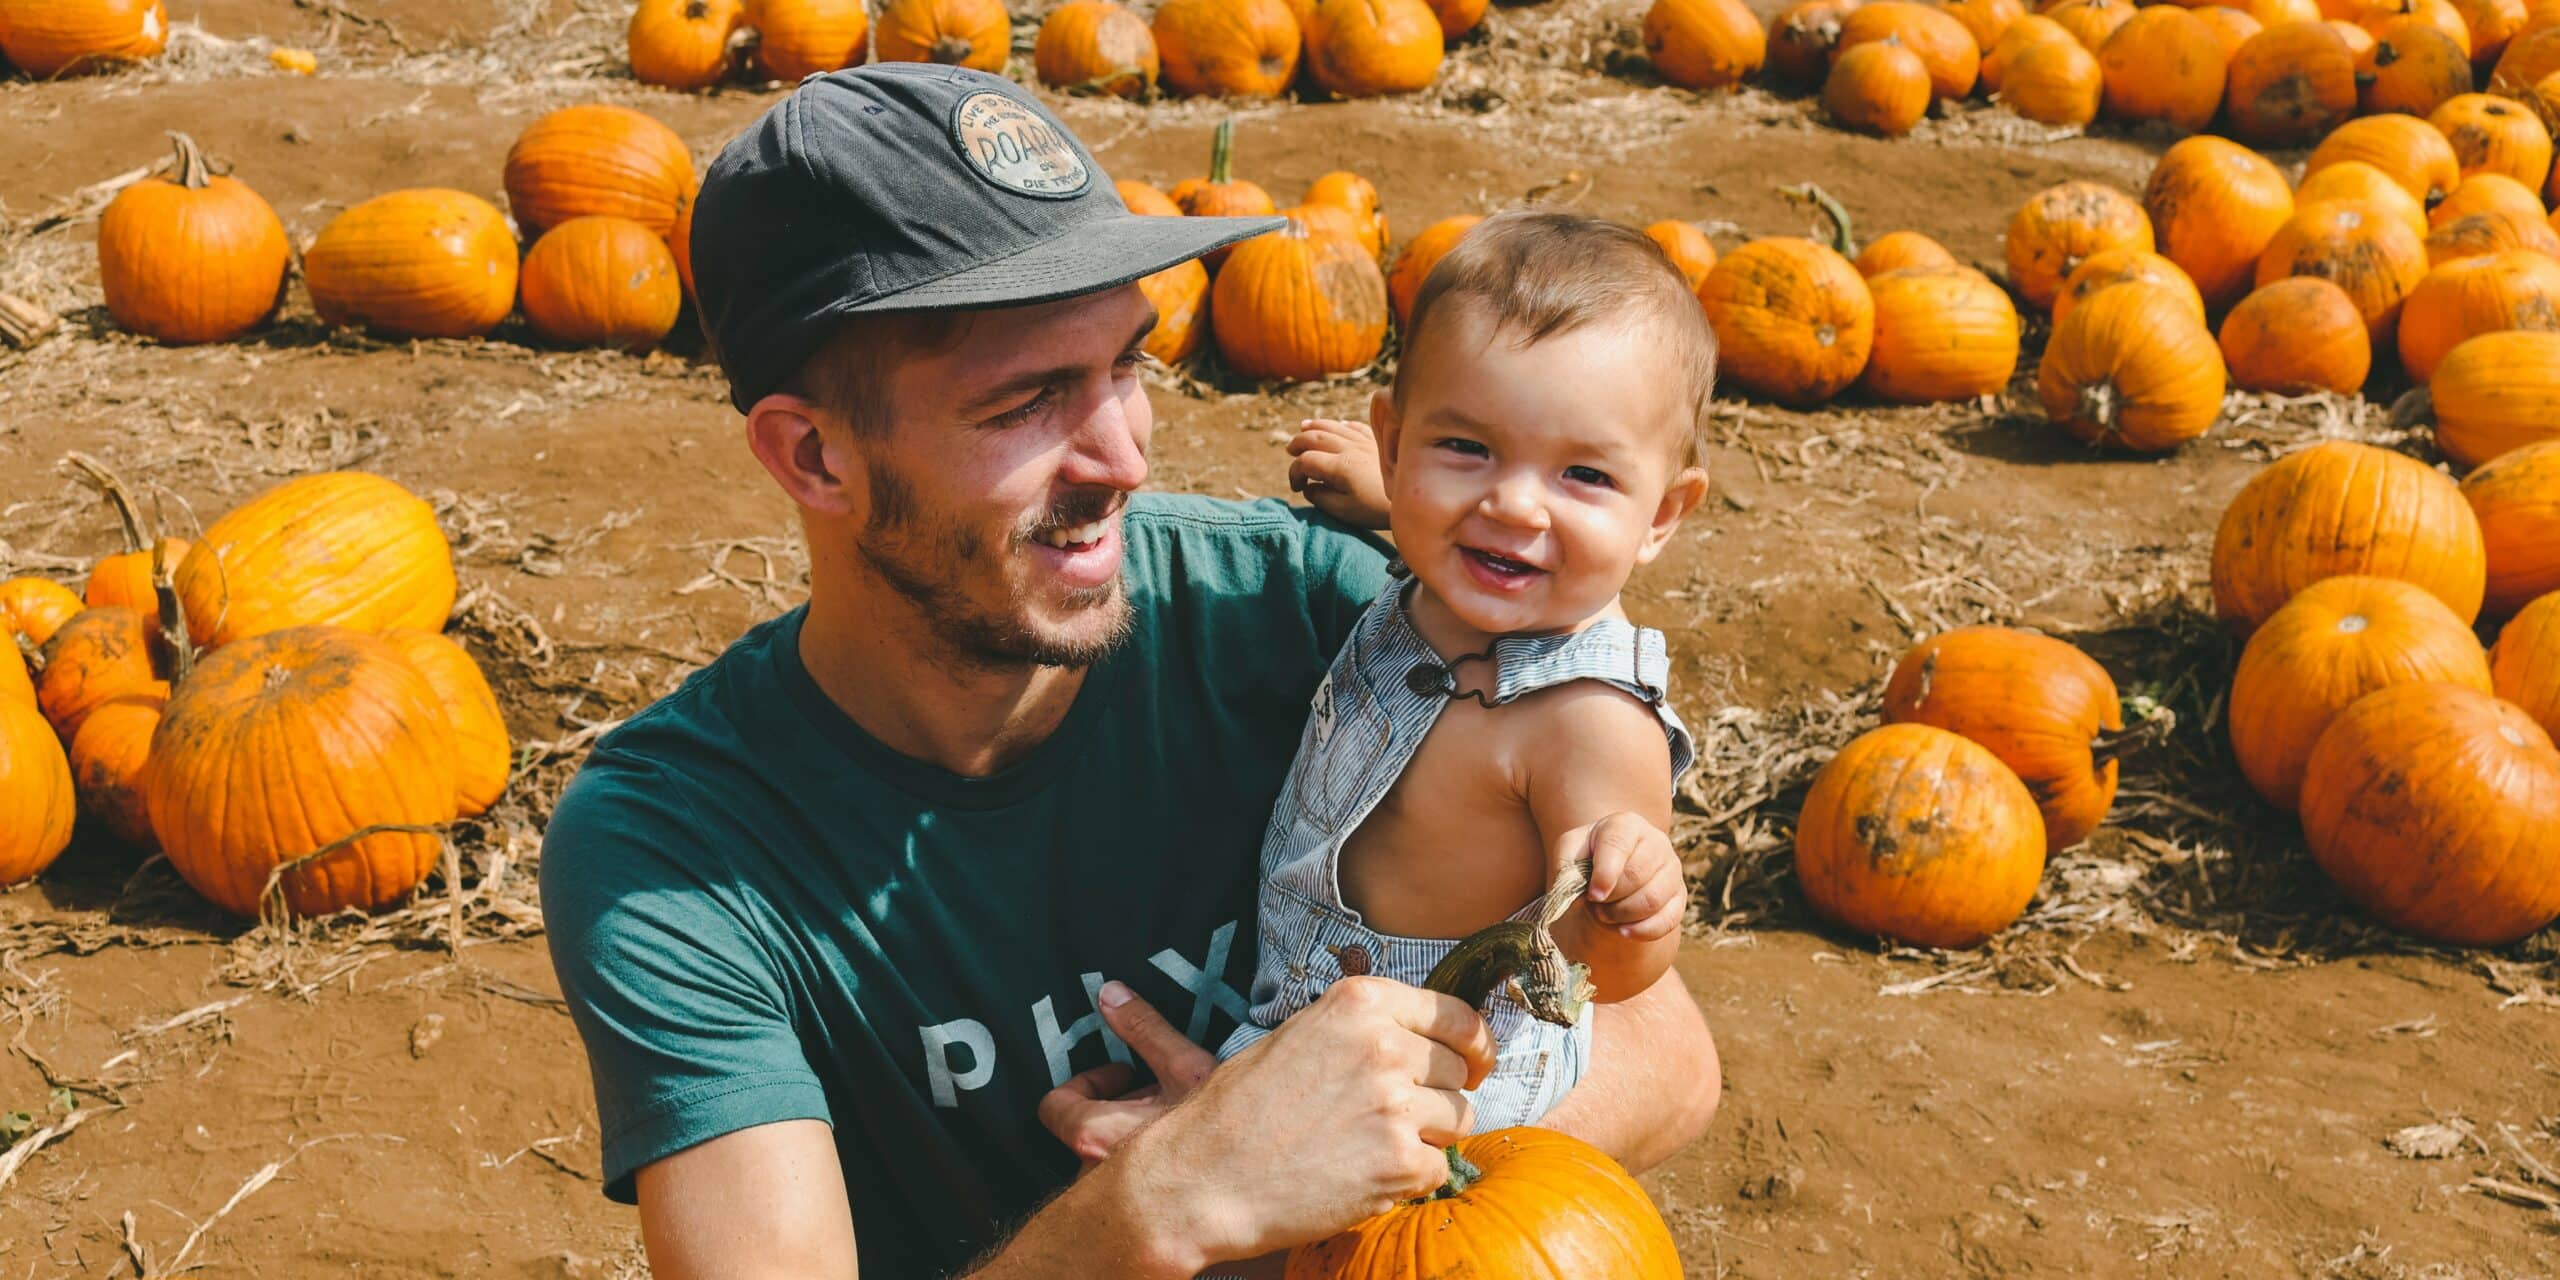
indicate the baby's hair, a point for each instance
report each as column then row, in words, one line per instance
column 1542, row 272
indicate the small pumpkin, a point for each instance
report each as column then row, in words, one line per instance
column 1298, row 306
column 2216, row 205
column 483, row 757
column 2487, row 193
column 1458, row 17
column 349, row 736
column 2497, row 231
column 2491, row 24
column 2517, row 289
column 2272, row 12
column 2404, row 148
column 598, row 159
column 1222, row 194
column 1686, row 246
column 1367, row 48
column 1423, row 252
column 1942, row 334
column 1180, row 295
column 2290, row 84
column 2337, row 508
column 1326, row 219
column 125, row 577
column 1988, row 20
column 98, row 656
column 2056, row 82
column 1143, row 198
column 1228, row 48
column 1096, row 45
column 2517, row 500
column 49, row 38
column 2359, row 41
column 682, row 44
column 2022, row 35
column 1921, row 835
column 2132, row 367
column 1546, row 1206
column 2437, row 808
column 420, row 263
column 2231, row 28
column 35, row 791
column 957, row 33
column 1944, row 46
column 1793, row 320
column 2043, row 707
column 1895, row 250
column 1704, row 44
column 2524, row 668
column 796, row 39
column 191, row 257
column 2355, row 182
column 2163, row 64
column 602, row 282
column 2412, row 68
column 2530, row 56
column 2495, row 135
column 2060, row 226
column 2334, row 642
column 2495, row 393
column 108, row 757
column 2109, row 267
column 2092, row 22
column 1879, row 87
column 36, row 608
column 680, row 240
column 2378, row 16
column 1801, row 39
column 2372, row 255
column 1347, row 190
column 341, row 548
column 2298, row 335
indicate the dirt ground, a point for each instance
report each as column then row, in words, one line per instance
column 2190, row 1060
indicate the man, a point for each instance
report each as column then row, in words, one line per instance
column 868, row 927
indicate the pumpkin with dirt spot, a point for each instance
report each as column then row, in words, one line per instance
column 2289, row 84
column 2046, row 709
column 1298, row 306
column 2216, row 205
column 2059, row 227
column 1920, row 835
column 1793, row 320
column 2515, row 290
column 2339, row 508
column 2133, row 368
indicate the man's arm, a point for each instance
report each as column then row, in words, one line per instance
column 1654, row 1081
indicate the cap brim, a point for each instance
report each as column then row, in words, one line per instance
column 1103, row 254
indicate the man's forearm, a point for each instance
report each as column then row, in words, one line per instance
column 1103, row 1226
column 1654, row 1081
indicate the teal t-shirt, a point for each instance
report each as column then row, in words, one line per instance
column 759, row 913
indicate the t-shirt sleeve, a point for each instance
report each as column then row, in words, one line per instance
column 1342, row 568
column 686, row 1022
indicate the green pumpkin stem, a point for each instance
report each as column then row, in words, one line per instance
column 1222, row 146
column 193, row 172
column 1841, row 238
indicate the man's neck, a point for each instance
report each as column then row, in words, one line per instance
column 881, row 664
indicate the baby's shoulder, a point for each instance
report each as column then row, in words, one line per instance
column 1582, row 715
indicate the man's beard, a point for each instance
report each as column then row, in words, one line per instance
column 926, row 564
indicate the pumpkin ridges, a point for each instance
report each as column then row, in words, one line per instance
column 2290, row 527
column 2109, row 267
column 800, row 38
column 108, row 757
column 1424, row 251
column 1941, row 334
column 596, row 281
column 2060, row 226
column 1512, row 1221
column 2516, row 498
column 1895, row 250
column 2495, row 135
column 260, row 554
column 1793, row 320
column 966, row 33
column 2407, row 149
column 1944, row 46
column 2035, row 702
column 1879, row 86
column 2371, row 254
column 1298, row 306
column 682, row 44
column 422, row 263
column 596, row 158
column 2303, row 335
column 1364, row 48
column 193, row 257
column 36, row 608
column 99, row 655
column 2515, row 290
column 1243, row 48
column 2413, row 68
column 1095, row 44
column 2214, row 206
column 1976, row 840
column 2495, row 392
column 2163, row 64
column 2290, row 83
column 2524, row 668
column 1686, row 246
column 1704, row 44
column 2132, row 367
column 47, row 40
column 36, row 789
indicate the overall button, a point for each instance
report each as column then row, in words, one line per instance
column 1428, row 678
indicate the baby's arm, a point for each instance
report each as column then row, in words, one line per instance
column 1335, row 463
column 1603, row 752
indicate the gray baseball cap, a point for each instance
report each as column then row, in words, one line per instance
column 909, row 186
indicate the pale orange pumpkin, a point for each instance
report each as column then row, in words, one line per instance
column 598, row 159
column 2404, row 148
column 2132, row 367
column 1704, row 44
column 1296, row 306
column 682, row 44
column 1228, row 48
column 796, row 39
column 2496, row 135
column 2054, row 82
column 1522, row 1203
column 958, row 33
column 1895, row 250
column 1941, row 334
column 2043, row 707
column 1686, row 246
column 36, row 608
column 2163, row 64
column 483, row 758
column 2290, row 83
column 2060, row 226
column 419, row 263
column 1944, row 46
column 342, row 548
column 191, row 257
column 2372, row 255
column 2357, row 183
column 2412, row 68
column 2517, row 289
column 35, row 791
column 2517, row 499
column 2378, row 16
column 2487, row 193
column 2524, row 667
column 2496, row 393
column 1423, row 252
column 2298, row 335
column 1879, row 87
column 2109, row 267
column 1096, row 45
column 49, row 38
column 1793, row 320
column 1921, row 835
column 2216, row 205
column 2337, row 508
column 602, row 282
column 1366, row 48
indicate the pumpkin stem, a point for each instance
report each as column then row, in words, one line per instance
column 172, row 614
column 950, row 50
column 193, row 172
column 90, row 472
column 1222, row 146
column 1841, row 239
column 2153, row 724
column 1462, row 1174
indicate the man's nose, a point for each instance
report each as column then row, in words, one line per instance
column 1106, row 449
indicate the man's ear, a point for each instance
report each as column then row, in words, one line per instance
column 816, row 466
column 1387, row 427
column 1686, row 491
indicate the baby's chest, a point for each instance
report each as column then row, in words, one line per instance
column 1451, row 848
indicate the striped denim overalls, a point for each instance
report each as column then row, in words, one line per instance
column 1381, row 696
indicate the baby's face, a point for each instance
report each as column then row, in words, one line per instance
column 1526, row 483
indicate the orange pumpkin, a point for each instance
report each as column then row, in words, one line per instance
column 15, row 684
column 35, row 791
column 1222, row 194
column 350, row 736
column 602, row 282
column 2487, row 193
column 1944, row 46
column 2231, row 28
column 2272, row 12
column 1422, row 253
column 1180, row 295
column 796, row 39
column 1918, row 834
column 2334, row 642
column 2378, row 16
column 2498, row 231
column 1295, row 306
column 2359, row 41
column 2357, row 183
column 1325, row 219
column 2040, row 705
column 341, row 548
column 2022, row 35
column 1895, row 250
column 2437, row 809
column 2496, row 135
column 1096, row 45
column 98, row 656
column 680, row 240
column 2216, row 205
column 125, row 578
column 2496, row 393
column 2055, row 82
column 420, row 263
column 2343, row 508
column 2109, row 267
column 2163, row 64
column 1686, row 246
column 2374, row 256
column 682, row 44
column 108, row 757
column 2490, row 24
column 2060, row 226
column 1145, row 199
column 960, row 33
column 2524, row 668
column 1793, row 320
column 35, row 608
column 1941, row 334
column 602, row 160
column 49, row 38
column 483, row 757
column 191, row 257
column 2132, row 367
column 2404, row 148
column 2517, row 499
column 2298, row 335
column 2412, row 68
column 2092, row 22
column 2517, row 289
column 1534, row 1203
column 2531, row 55
column 1879, row 87
column 1801, row 39
column 1228, row 48
column 1365, row 48
column 1988, row 20
column 1458, row 17
column 1704, row 44
column 2290, row 84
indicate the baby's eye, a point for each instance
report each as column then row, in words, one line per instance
column 1590, row 475
column 1462, row 446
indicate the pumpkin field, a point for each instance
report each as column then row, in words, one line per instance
column 2122, row 635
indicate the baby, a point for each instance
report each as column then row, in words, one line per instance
column 1540, row 442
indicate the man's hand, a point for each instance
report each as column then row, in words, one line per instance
column 1095, row 1109
column 1335, row 464
column 1637, row 887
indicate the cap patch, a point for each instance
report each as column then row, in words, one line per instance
column 1009, row 145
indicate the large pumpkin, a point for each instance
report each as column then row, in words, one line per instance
column 602, row 282
column 2372, row 255
column 342, row 548
column 1918, row 834
column 191, row 257
column 2496, row 392
column 2518, row 289
column 1793, row 320
column 420, row 263
column 1879, row 87
column 2413, row 68
column 2486, row 193
column 1295, row 306
column 2495, row 135
column 1941, row 334
column 1421, row 253
column 1365, row 48
column 2437, row 808
column 2110, row 267
column 2061, row 225
column 97, row 657
column 277, row 748
column 36, row 607
column 2344, row 508
column 2216, row 205
column 1228, row 48
column 2337, row 640
column 2407, row 149
column 36, row 793
column 1703, row 44
column 2299, row 335
column 2040, row 705
column 48, row 38
column 1534, row 1205
column 1096, row 45
column 2524, row 668
column 2517, row 500
column 800, row 38
column 108, row 757
column 2166, row 65
column 2290, row 84
column 2133, row 368
column 1944, row 46
column 598, row 159
column 2054, row 82
column 682, row 44
column 1686, row 246
column 960, row 33
column 483, row 758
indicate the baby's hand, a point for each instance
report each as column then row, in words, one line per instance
column 1335, row 464
column 1637, row 889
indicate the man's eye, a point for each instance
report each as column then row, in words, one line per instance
column 1134, row 358
column 1463, row 447
column 1025, row 411
column 1590, row 475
